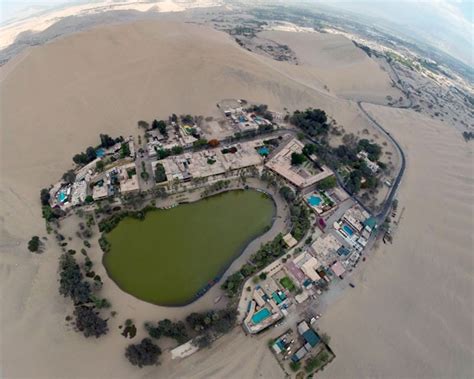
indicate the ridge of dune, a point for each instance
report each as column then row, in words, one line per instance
column 55, row 101
column 337, row 64
column 60, row 96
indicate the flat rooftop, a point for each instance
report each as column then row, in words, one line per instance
column 211, row 162
column 302, row 175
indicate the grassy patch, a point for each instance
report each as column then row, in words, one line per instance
column 288, row 284
column 316, row 363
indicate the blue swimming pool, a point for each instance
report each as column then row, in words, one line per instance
column 62, row 196
column 264, row 151
column 261, row 315
column 348, row 230
column 314, row 200
column 100, row 152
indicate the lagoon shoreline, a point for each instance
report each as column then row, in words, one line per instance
column 257, row 186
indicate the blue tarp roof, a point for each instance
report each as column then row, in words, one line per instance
column 311, row 337
column 343, row 251
column 370, row 222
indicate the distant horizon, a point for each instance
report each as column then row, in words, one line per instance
column 444, row 24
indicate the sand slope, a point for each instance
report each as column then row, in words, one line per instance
column 411, row 312
column 335, row 62
column 54, row 102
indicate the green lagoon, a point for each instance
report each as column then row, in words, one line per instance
column 168, row 257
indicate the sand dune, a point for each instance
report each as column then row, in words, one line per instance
column 59, row 97
column 411, row 312
column 335, row 62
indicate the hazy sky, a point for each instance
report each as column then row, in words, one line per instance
column 13, row 8
column 447, row 24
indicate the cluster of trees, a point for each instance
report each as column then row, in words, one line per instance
column 34, row 244
column 71, row 280
column 297, row 159
column 106, row 141
column 160, row 173
column 90, row 154
column 73, row 285
column 299, row 215
column 69, row 176
column 200, row 143
column 263, row 257
column 373, row 150
column 161, row 126
column 206, row 324
column 216, row 187
column 108, row 224
column 311, row 121
column 45, row 197
column 168, row 328
column 295, row 366
column 346, row 155
column 89, row 322
column 187, row 119
column 261, row 110
column 219, row 322
column 124, row 150
column 145, row 353
column 165, row 153
column 262, row 129
column 288, row 194
column 327, row 183
column 49, row 214
column 85, row 157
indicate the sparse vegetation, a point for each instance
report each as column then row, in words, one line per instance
column 168, row 328
column 145, row 353
column 34, row 244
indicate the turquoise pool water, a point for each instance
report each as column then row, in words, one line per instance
column 276, row 298
column 100, row 152
column 264, row 151
column 261, row 315
column 314, row 200
column 348, row 230
column 62, row 196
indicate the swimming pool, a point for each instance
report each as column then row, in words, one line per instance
column 100, row 152
column 62, row 196
column 314, row 200
column 261, row 315
column 348, row 230
column 264, row 151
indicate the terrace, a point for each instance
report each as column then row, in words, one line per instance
column 301, row 176
column 212, row 162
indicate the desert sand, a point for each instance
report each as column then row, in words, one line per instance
column 414, row 297
column 12, row 29
column 340, row 68
column 411, row 312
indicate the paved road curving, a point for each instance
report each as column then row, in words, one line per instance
column 388, row 202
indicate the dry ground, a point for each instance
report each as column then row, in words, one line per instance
column 57, row 98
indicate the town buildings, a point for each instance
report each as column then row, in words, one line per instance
column 301, row 176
